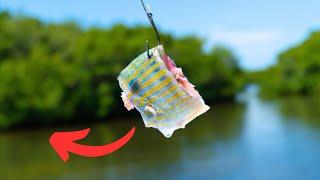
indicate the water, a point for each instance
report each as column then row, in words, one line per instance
column 252, row 139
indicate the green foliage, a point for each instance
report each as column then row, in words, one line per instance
column 296, row 72
column 61, row 72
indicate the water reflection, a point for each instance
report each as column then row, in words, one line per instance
column 252, row 139
column 303, row 109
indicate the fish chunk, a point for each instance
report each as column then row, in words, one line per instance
column 158, row 89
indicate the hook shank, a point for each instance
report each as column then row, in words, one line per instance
column 149, row 15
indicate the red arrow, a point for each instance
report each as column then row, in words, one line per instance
column 63, row 143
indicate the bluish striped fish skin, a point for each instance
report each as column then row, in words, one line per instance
column 153, row 90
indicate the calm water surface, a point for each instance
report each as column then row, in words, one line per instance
column 252, row 139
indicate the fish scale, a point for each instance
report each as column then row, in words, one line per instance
column 163, row 102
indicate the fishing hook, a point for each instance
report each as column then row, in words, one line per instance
column 148, row 49
column 149, row 15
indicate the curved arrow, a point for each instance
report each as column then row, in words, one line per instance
column 63, row 143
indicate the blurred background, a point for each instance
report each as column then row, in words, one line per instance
column 256, row 63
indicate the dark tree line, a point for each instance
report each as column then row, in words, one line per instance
column 297, row 71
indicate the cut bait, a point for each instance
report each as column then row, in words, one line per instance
column 158, row 89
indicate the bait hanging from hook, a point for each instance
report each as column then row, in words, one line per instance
column 158, row 89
